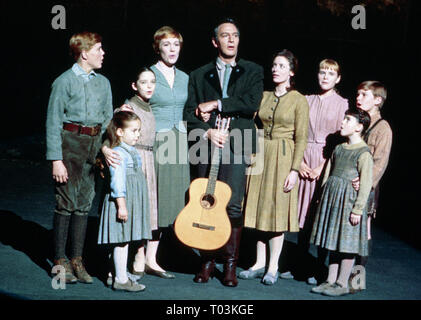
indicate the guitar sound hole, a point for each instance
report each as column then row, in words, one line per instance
column 207, row 201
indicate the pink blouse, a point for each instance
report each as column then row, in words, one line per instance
column 331, row 109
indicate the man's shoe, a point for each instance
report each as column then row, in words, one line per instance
column 130, row 286
column 206, row 272
column 69, row 276
column 230, row 276
column 336, row 290
column 230, row 252
column 80, row 271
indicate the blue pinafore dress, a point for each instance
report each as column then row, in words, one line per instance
column 137, row 226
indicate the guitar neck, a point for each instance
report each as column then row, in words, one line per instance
column 213, row 173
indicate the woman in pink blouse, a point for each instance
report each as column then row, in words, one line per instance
column 327, row 110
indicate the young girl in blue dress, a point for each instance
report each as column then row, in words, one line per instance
column 125, row 212
column 340, row 224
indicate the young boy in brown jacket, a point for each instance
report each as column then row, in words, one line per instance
column 371, row 96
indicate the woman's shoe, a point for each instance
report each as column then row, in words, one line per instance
column 251, row 274
column 161, row 274
column 321, row 288
column 312, row 281
column 287, row 275
column 270, row 279
column 109, row 281
column 138, row 273
column 336, row 290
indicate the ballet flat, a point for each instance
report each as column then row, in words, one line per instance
column 251, row 274
column 286, row 275
column 270, row 279
column 161, row 274
column 138, row 273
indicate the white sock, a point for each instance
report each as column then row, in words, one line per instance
column 120, row 263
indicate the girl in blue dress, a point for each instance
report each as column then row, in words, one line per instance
column 125, row 212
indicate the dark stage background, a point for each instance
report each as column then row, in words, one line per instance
column 34, row 54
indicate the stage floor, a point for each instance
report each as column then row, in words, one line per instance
column 26, row 206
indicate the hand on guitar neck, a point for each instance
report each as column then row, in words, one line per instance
column 219, row 135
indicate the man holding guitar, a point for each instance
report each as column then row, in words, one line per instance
column 231, row 88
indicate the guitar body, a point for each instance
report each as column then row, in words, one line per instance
column 204, row 223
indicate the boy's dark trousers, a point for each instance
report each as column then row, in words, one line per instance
column 74, row 198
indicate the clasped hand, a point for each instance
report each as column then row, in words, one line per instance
column 354, row 219
column 307, row 173
column 203, row 110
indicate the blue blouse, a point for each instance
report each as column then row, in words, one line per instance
column 168, row 104
column 118, row 175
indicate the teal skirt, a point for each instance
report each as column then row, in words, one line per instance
column 332, row 229
column 137, row 227
column 172, row 174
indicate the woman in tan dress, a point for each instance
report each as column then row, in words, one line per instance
column 272, row 192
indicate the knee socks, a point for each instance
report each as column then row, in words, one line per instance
column 120, row 255
column 77, row 234
column 61, row 230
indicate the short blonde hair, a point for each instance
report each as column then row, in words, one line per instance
column 83, row 41
column 376, row 87
column 163, row 33
column 330, row 64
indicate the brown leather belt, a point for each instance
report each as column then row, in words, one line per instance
column 90, row 131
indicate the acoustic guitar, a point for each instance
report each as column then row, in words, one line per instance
column 204, row 223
